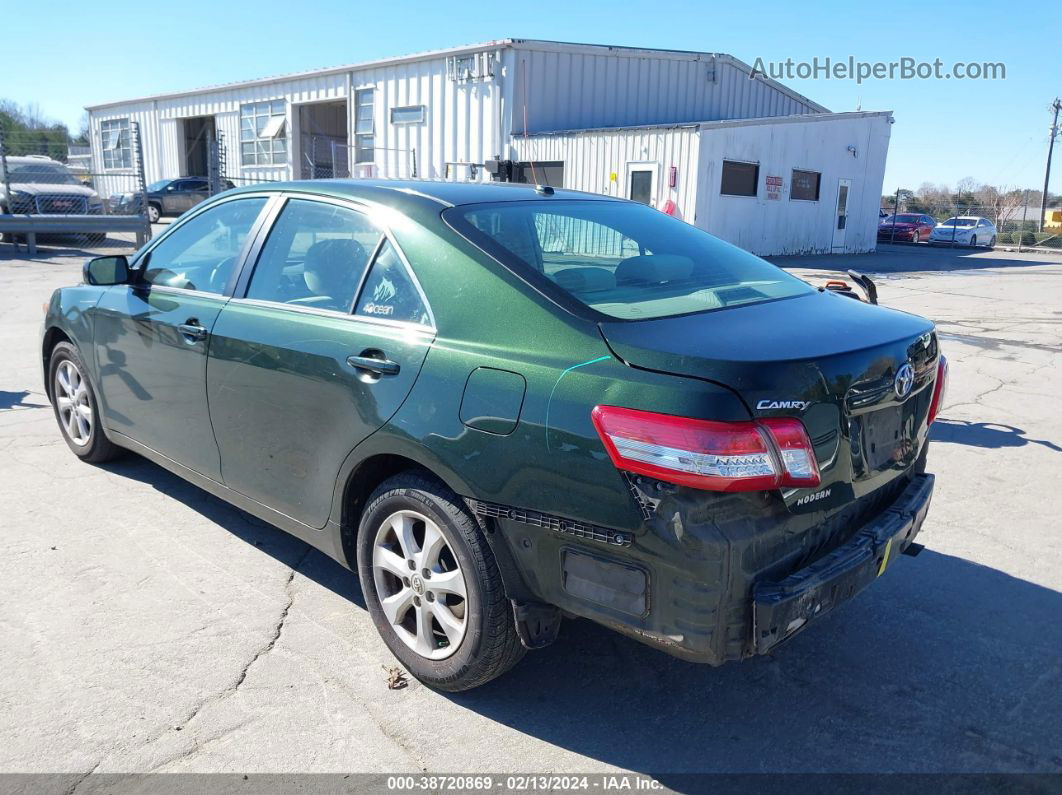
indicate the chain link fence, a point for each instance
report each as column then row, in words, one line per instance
column 69, row 195
column 1015, row 221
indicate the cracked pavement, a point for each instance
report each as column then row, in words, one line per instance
column 147, row 626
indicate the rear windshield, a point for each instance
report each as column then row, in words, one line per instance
column 623, row 259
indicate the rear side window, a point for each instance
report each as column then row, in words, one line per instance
column 315, row 256
column 622, row 259
column 389, row 291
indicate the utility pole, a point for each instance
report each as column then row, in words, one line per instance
column 1056, row 106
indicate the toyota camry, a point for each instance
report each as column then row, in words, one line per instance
column 504, row 405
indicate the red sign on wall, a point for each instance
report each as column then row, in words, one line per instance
column 774, row 188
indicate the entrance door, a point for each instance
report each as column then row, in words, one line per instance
column 841, row 216
column 198, row 133
column 152, row 337
column 641, row 182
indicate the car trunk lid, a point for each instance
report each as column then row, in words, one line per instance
column 827, row 359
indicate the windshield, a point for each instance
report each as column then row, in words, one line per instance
column 155, row 187
column 960, row 222
column 904, row 219
column 623, row 259
column 48, row 173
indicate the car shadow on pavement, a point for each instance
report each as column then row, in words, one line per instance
column 17, row 400
column 941, row 665
column 285, row 548
column 984, row 434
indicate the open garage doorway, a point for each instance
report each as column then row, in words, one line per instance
column 198, row 132
column 322, row 147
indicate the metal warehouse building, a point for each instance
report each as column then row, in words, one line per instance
column 693, row 134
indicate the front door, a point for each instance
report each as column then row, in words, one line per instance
column 840, row 224
column 151, row 338
column 299, row 371
column 641, row 182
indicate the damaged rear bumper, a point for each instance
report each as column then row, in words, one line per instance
column 783, row 608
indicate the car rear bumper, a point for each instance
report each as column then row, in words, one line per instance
column 783, row 608
column 711, row 582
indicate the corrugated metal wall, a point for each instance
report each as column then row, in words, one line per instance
column 591, row 158
column 785, row 226
column 567, row 86
column 758, row 224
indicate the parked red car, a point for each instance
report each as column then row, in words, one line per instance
column 908, row 227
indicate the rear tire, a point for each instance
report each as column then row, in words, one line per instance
column 992, row 242
column 76, row 410
column 973, row 241
column 415, row 534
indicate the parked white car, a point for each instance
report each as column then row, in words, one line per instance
column 965, row 230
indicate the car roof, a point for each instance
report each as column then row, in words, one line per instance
column 422, row 192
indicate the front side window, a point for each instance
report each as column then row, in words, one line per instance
column 263, row 133
column 315, row 256
column 117, row 151
column 202, row 253
column 739, row 179
column 624, row 260
column 389, row 291
column 364, row 138
column 804, row 185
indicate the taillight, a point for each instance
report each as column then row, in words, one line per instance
column 940, row 388
column 719, row 456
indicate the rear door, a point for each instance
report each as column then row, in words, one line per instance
column 319, row 349
column 151, row 337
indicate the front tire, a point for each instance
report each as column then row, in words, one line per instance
column 75, row 406
column 915, row 237
column 154, row 213
column 973, row 241
column 432, row 585
column 992, row 242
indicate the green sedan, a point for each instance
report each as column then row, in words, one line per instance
column 503, row 405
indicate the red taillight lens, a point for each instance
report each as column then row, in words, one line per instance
column 720, row 456
column 940, row 388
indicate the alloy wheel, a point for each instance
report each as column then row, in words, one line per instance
column 72, row 401
column 420, row 585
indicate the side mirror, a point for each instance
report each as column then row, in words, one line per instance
column 103, row 271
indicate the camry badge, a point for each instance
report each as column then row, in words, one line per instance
column 904, row 381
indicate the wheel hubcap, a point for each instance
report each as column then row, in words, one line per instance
column 72, row 400
column 420, row 585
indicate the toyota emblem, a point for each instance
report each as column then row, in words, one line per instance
column 904, row 381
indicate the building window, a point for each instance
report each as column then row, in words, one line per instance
column 739, row 179
column 263, row 137
column 411, row 114
column 364, row 142
column 117, row 153
column 805, row 185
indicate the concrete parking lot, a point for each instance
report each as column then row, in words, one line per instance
column 150, row 627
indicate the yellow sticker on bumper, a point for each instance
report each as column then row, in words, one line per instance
column 885, row 557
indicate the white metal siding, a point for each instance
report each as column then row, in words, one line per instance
column 591, row 158
column 784, row 226
column 567, row 89
column 757, row 224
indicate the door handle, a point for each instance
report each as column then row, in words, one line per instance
column 373, row 364
column 192, row 330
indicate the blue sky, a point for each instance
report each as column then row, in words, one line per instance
column 992, row 130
